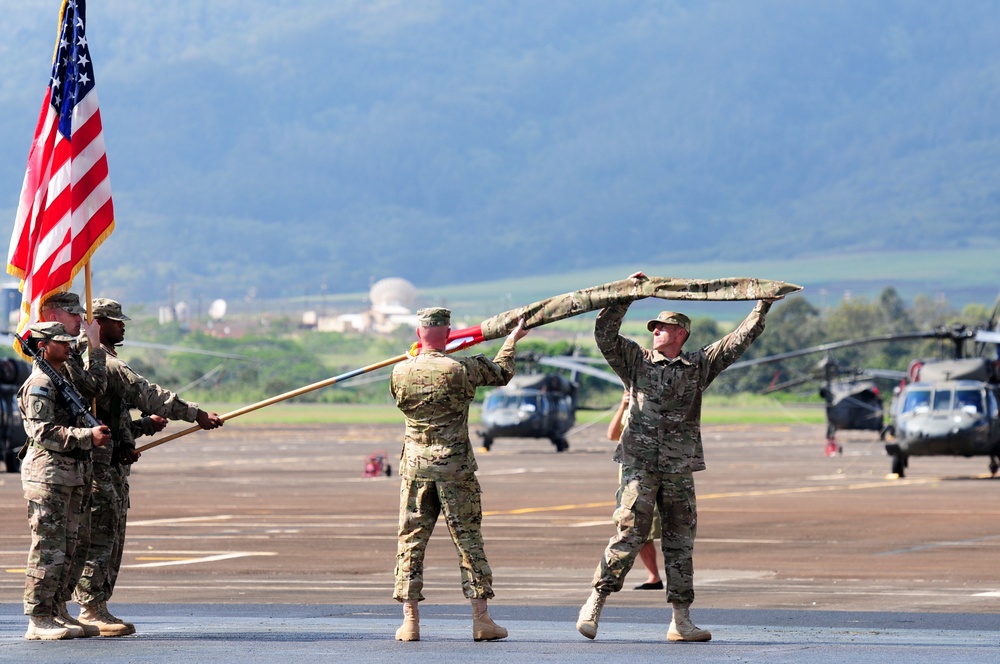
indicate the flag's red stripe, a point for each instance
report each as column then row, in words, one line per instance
column 97, row 174
column 87, row 132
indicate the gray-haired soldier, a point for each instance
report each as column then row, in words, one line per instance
column 659, row 450
column 55, row 473
column 438, row 467
column 125, row 390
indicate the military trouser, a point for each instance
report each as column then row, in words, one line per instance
column 642, row 492
column 54, row 515
column 124, row 504
column 420, row 502
column 94, row 585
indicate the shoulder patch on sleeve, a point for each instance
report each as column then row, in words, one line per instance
column 39, row 391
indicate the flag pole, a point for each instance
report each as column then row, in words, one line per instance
column 281, row 397
column 87, row 290
column 458, row 340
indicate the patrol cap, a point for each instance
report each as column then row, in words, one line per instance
column 434, row 316
column 670, row 318
column 107, row 308
column 68, row 302
column 50, row 331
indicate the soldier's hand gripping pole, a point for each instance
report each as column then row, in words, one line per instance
column 77, row 405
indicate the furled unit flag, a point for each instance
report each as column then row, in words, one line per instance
column 65, row 210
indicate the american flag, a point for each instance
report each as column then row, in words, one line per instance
column 65, row 210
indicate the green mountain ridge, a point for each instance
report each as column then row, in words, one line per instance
column 296, row 150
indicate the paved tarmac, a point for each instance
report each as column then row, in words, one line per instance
column 254, row 543
column 200, row 633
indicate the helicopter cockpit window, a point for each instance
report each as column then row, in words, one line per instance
column 942, row 400
column 970, row 401
column 529, row 404
column 917, row 401
column 519, row 401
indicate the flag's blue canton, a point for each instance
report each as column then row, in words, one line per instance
column 72, row 71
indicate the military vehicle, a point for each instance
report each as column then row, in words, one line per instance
column 13, row 373
column 541, row 405
column 949, row 408
column 853, row 399
column 943, row 407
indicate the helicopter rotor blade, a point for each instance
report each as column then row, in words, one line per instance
column 571, row 365
column 794, row 382
column 884, row 338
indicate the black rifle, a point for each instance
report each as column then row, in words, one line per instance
column 77, row 406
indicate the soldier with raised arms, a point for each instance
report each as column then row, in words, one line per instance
column 438, row 467
column 659, row 450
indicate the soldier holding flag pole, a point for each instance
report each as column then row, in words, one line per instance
column 64, row 213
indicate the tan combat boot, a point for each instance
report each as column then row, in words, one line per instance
column 410, row 629
column 76, row 628
column 590, row 614
column 112, row 618
column 44, row 628
column 97, row 615
column 483, row 627
column 681, row 627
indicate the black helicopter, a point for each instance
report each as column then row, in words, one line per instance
column 853, row 399
column 950, row 407
column 942, row 407
column 537, row 405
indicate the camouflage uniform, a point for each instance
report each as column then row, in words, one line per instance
column 661, row 446
column 437, row 464
column 54, row 475
column 126, row 389
column 86, row 371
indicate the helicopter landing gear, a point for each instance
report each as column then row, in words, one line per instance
column 899, row 464
column 832, row 448
column 994, row 466
column 561, row 443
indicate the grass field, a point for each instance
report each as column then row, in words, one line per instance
column 717, row 410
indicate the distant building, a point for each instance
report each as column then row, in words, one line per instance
column 391, row 301
column 11, row 304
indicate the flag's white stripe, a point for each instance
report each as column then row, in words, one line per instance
column 28, row 207
column 85, row 108
column 59, row 181
column 85, row 159
column 83, row 214
column 50, row 243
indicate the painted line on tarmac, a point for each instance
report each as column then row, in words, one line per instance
column 551, row 508
column 733, row 494
column 186, row 519
column 203, row 559
column 940, row 545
